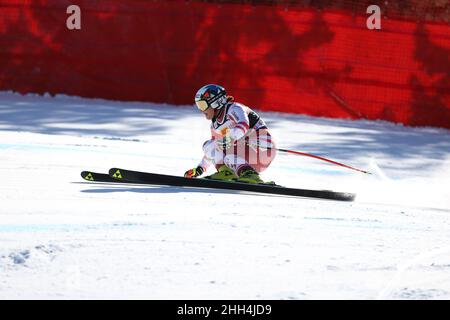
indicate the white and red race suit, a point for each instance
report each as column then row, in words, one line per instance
column 250, row 143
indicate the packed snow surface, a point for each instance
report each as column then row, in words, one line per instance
column 65, row 238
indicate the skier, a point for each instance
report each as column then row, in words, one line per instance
column 240, row 147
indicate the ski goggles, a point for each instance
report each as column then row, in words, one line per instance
column 202, row 105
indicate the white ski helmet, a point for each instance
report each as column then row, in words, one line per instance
column 211, row 96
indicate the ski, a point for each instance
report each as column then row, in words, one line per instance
column 98, row 177
column 168, row 180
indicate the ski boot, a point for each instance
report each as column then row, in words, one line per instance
column 249, row 176
column 224, row 174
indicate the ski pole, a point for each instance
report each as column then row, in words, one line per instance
column 321, row 158
column 316, row 157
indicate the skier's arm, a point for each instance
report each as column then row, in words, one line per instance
column 240, row 122
column 206, row 161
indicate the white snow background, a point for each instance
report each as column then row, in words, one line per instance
column 65, row 238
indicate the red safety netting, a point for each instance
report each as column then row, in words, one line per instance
column 309, row 61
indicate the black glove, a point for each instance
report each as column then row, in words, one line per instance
column 193, row 173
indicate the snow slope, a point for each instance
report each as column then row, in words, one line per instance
column 61, row 237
